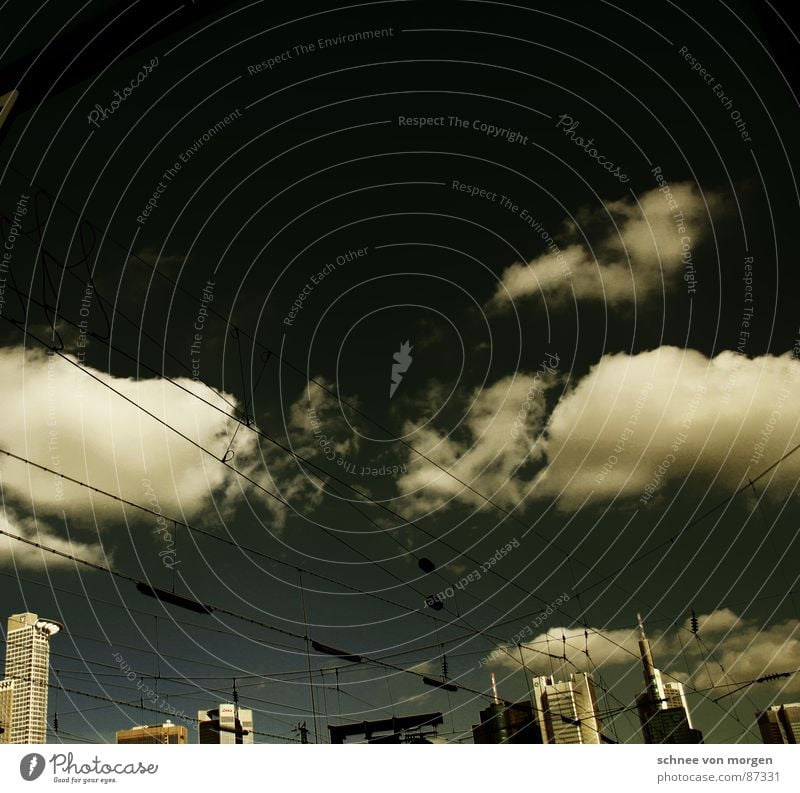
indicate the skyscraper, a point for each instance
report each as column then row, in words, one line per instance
column 507, row 723
column 6, row 700
column 780, row 723
column 663, row 710
column 166, row 733
column 567, row 710
column 225, row 724
column 504, row 722
column 27, row 671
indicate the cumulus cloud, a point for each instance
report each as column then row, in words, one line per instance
column 627, row 251
column 732, row 650
column 69, row 421
column 629, row 429
column 498, row 436
column 64, row 419
column 637, row 422
column 23, row 555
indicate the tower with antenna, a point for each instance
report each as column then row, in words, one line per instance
column 663, row 710
column 506, row 722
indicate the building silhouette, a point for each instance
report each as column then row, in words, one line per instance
column 566, row 711
column 506, row 722
column 23, row 693
column 419, row 728
column 663, row 710
column 780, row 723
column 225, row 724
column 166, row 733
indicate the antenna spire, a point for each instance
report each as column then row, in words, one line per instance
column 494, row 690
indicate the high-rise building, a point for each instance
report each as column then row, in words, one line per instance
column 6, row 700
column 663, row 710
column 507, row 722
column 780, row 723
column 27, row 670
column 225, row 724
column 567, row 710
column 166, row 733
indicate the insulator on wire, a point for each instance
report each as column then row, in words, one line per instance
column 695, row 623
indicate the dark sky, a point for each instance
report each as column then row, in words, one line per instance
column 315, row 162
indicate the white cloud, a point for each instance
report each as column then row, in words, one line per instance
column 744, row 648
column 627, row 251
column 628, row 429
column 637, row 422
column 498, row 434
column 23, row 555
column 64, row 419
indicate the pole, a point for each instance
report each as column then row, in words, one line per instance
column 308, row 657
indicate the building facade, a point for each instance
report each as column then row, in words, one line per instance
column 6, row 700
column 503, row 722
column 27, row 670
column 780, row 723
column 166, row 733
column 225, row 724
column 567, row 710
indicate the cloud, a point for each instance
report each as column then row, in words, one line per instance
column 22, row 555
column 630, row 429
column 731, row 650
column 735, row 649
column 497, row 435
column 635, row 423
column 67, row 420
column 626, row 252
